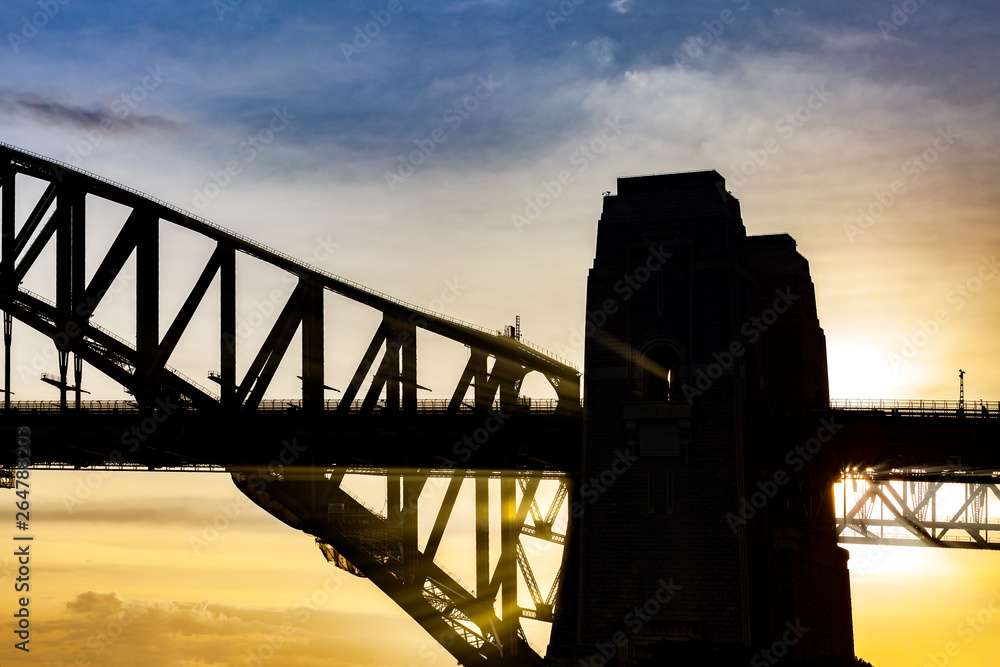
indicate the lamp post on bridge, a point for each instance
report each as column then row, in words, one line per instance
column 961, row 392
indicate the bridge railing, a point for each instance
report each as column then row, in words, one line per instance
column 277, row 405
column 94, row 406
column 921, row 407
column 424, row 406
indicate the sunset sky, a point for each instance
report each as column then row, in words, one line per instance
column 411, row 159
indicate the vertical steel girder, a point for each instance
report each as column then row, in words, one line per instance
column 482, row 532
column 882, row 514
column 147, row 300
column 505, row 577
column 8, row 322
column 7, row 255
column 312, row 348
column 7, row 227
column 227, row 326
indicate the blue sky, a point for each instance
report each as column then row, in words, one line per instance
column 230, row 63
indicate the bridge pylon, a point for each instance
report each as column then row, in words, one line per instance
column 695, row 525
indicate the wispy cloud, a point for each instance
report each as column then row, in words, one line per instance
column 620, row 6
column 52, row 112
column 602, row 50
column 105, row 628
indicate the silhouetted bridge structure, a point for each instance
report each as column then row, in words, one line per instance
column 725, row 489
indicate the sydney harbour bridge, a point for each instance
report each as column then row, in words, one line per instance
column 690, row 487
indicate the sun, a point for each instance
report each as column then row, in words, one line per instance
column 857, row 372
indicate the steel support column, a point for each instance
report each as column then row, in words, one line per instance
column 390, row 366
column 507, row 567
column 78, row 377
column 7, row 257
column 70, row 274
column 8, row 322
column 483, row 392
column 312, row 348
column 408, row 373
column 413, row 484
column 7, row 226
column 482, row 535
column 147, row 297
column 227, row 326
column 63, row 364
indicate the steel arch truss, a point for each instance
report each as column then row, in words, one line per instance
column 913, row 511
column 59, row 216
column 477, row 625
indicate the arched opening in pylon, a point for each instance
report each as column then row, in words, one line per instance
column 661, row 373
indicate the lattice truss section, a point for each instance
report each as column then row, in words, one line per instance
column 97, row 233
column 908, row 509
column 476, row 623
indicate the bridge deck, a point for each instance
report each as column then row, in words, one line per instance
column 884, row 407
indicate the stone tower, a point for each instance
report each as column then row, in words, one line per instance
column 694, row 521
